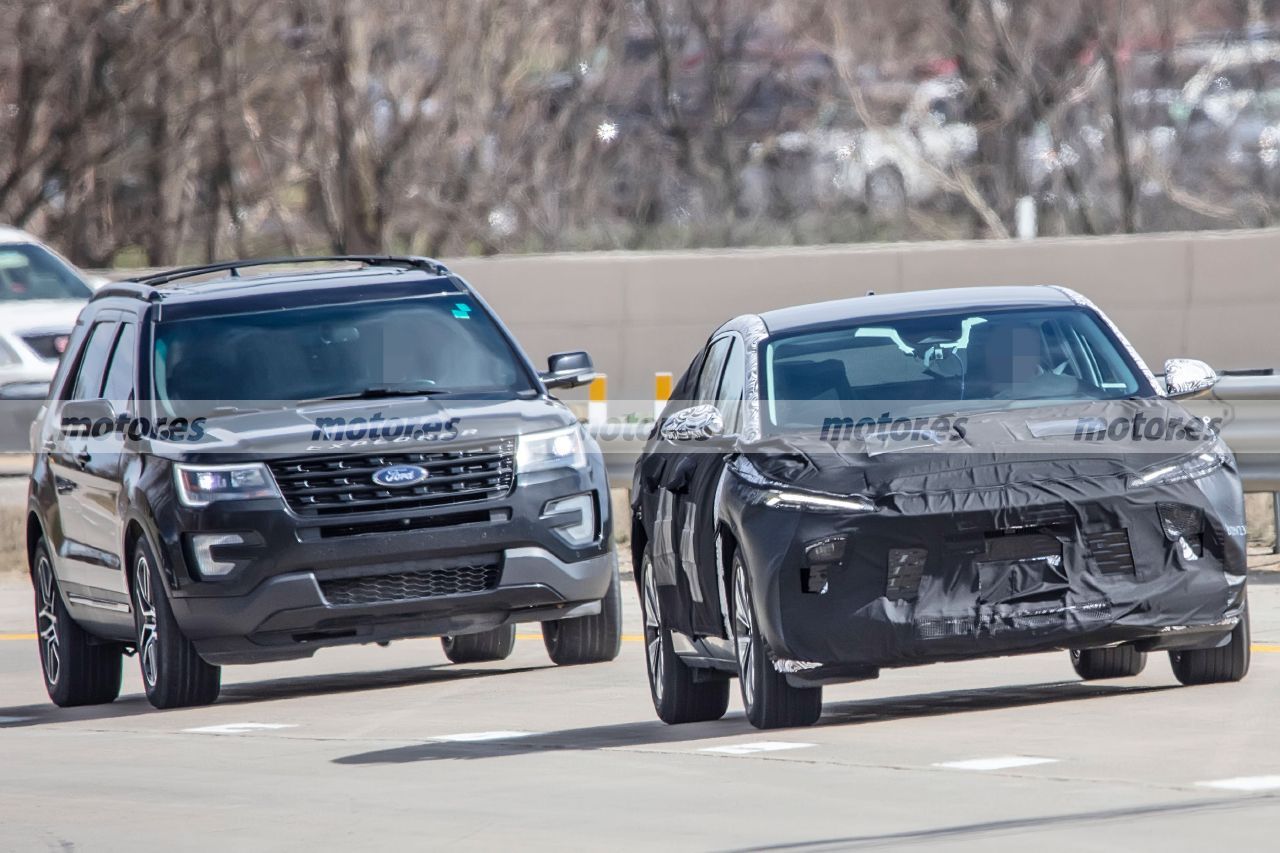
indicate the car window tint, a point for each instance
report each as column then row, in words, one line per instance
column 712, row 367
column 938, row 364
column 441, row 344
column 729, row 397
column 118, row 386
column 97, row 347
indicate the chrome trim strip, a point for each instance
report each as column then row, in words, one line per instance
column 100, row 604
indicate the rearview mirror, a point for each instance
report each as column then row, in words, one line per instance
column 696, row 423
column 1187, row 378
column 568, row 370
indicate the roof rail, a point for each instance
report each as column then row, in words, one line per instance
column 132, row 289
column 234, row 267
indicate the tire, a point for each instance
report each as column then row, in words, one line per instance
column 678, row 697
column 1215, row 666
column 588, row 639
column 495, row 644
column 78, row 669
column 1118, row 662
column 173, row 675
column 770, row 701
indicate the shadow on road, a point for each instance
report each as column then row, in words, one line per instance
column 259, row 691
column 655, row 733
column 974, row 831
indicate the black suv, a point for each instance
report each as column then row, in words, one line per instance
column 239, row 468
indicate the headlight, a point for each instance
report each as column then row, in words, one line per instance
column 557, row 448
column 777, row 495
column 200, row 485
column 791, row 499
column 1192, row 468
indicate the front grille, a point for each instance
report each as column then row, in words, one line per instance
column 338, row 485
column 50, row 346
column 1111, row 552
column 1022, row 546
column 405, row 586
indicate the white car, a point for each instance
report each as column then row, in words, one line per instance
column 41, row 295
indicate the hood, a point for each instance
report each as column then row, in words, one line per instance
column 989, row 449
column 356, row 427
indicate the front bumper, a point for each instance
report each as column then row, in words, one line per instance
column 289, row 615
column 300, row 584
column 956, row 600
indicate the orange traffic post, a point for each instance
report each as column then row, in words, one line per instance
column 598, row 401
column 661, row 392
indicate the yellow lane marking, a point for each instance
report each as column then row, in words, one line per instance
column 17, row 636
column 1266, row 647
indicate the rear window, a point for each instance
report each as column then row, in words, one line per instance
column 32, row 272
column 444, row 343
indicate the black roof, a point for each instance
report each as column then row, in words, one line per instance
column 920, row 302
column 197, row 291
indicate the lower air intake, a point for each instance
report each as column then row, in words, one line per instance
column 407, row 586
column 906, row 567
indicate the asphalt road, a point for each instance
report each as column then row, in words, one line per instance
column 395, row 748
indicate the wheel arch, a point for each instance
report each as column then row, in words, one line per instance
column 726, row 547
column 35, row 532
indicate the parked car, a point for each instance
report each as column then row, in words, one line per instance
column 41, row 295
column 246, row 469
column 903, row 479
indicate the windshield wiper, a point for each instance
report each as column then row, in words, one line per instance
column 381, row 392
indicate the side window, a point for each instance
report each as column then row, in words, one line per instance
column 88, row 382
column 729, row 398
column 712, row 367
column 118, row 386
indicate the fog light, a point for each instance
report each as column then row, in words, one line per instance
column 826, row 551
column 1180, row 520
column 1183, row 525
column 573, row 519
column 204, row 543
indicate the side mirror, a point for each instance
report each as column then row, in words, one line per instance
column 79, row 416
column 696, row 423
column 568, row 370
column 1188, row 378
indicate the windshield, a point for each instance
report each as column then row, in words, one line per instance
column 937, row 365
column 435, row 344
column 28, row 271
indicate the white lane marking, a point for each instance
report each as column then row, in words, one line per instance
column 238, row 728
column 758, row 746
column 1244, row 783
column 477, row 737
column 1002, row 762
column 7, row 720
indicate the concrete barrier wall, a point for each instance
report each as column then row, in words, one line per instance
column 1210, row 296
